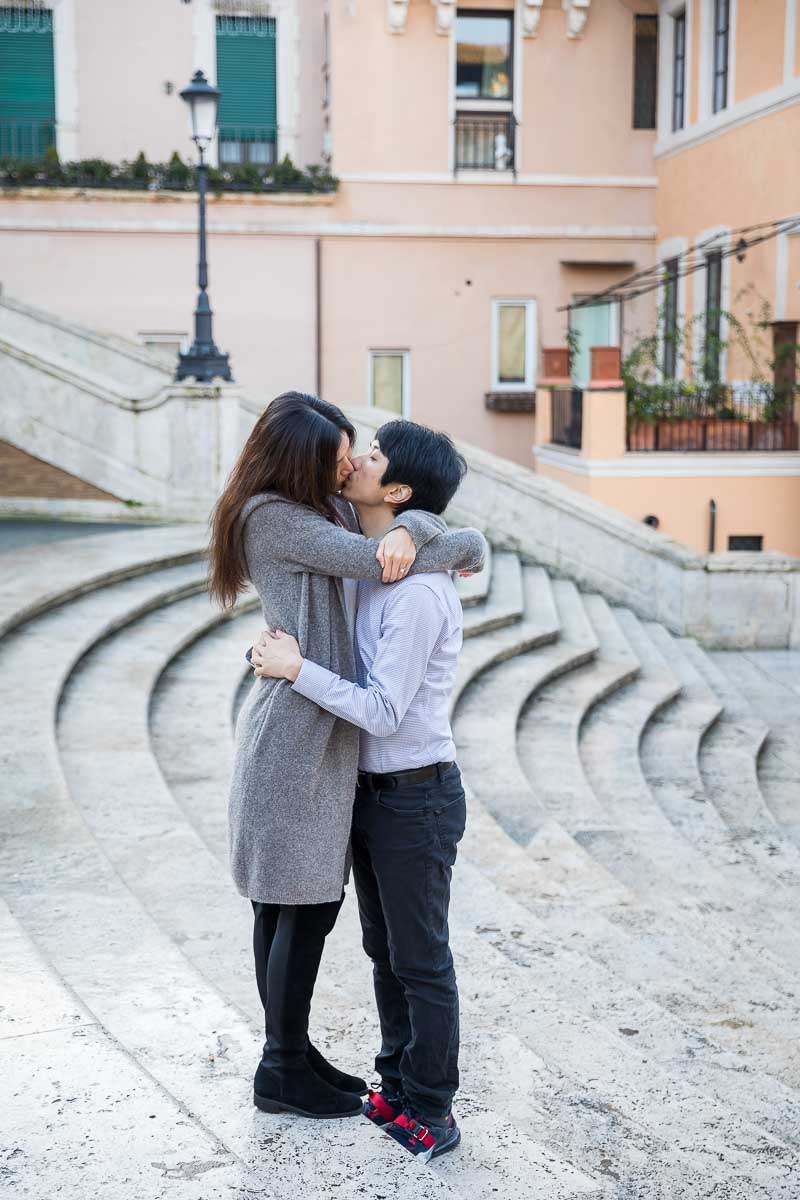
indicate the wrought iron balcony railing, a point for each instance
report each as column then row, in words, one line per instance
column 715, row 416
column 484, row 141
column 566, row 416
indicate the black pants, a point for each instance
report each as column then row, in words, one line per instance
column 404, row 847
column 288, row 940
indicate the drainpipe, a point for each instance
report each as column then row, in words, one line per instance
column 712, row 525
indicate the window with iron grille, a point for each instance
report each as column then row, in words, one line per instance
column 27, row 82
column 746, row 541
column 713, row 349
column 721, row 48
column 669, row 356
column 645, row 72
column 246, row 78
column 678, row 70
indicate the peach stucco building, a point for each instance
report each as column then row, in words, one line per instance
column 497, row 160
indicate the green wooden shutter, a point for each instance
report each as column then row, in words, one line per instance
column 246, row 78
column 27, row 83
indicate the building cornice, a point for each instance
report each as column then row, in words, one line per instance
column 736, row 115
column 499, row 179
column 319, row 228
column 668, row 464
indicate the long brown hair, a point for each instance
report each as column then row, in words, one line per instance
column 293, row 450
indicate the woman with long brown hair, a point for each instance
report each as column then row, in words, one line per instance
column 281, row 525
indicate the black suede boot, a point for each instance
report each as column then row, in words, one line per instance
column 285, row 1080
column 294, row 1087
column 331, row 1074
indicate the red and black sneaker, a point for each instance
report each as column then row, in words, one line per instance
column 424, row 1141
column 382, row 1107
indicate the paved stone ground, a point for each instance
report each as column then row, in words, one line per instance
column 624, row 912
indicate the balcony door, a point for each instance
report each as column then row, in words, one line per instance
column 595, row 325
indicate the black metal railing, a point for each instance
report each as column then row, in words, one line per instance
column 711, row 417
column 566, row 416
column 484, row 141
column 26, row 139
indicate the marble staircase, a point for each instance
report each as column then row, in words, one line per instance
column 624, row 914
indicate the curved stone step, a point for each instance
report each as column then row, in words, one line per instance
column 346, row 971
column 85, row 564
column 197, row 669
column 538, row 625
column 197, row 691
column 771, row 681
column 639, row 845
column 486, row 720
column 634, row 1052
column 162, row 859
column 561, row 877
column 728, row 766
column 179, row 1032
column 669, row 752
column 548, row 724
column 474, row 589
column 505, row 600
column 106, row 1126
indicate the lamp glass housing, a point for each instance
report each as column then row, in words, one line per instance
column 203, row 102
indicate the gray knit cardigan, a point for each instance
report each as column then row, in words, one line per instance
column 295, row 764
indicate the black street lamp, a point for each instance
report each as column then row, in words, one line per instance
column 204, row 361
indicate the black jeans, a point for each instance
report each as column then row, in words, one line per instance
column 404, row 847
column 288, row 940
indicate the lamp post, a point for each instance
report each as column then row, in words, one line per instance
column 203, row 361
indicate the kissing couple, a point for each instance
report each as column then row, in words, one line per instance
column 344, row 754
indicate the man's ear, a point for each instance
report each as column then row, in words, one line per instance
column 400, row 493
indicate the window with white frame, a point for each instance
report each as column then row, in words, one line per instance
column 388, row 381
column 513, row 345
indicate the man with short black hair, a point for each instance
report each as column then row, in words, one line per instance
column 410, row 807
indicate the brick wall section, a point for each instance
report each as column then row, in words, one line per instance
column 23, row 475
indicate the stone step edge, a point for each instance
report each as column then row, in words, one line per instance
column 47, row 601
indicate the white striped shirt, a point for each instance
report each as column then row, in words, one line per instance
column 407, row 639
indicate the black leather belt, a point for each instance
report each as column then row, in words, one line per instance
column 374, row 782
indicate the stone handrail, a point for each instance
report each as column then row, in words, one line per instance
column 727, row 600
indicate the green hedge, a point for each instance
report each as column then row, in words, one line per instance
column 174, row 176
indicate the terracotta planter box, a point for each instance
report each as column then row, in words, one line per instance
column 555, row 363
column 711, row 433
column 642, row 436
column 606, row 366
column 774, row 435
